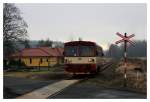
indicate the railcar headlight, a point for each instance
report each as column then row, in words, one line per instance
column 69, row 60
column 91, row 60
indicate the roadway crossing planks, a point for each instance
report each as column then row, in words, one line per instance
column 49, row 90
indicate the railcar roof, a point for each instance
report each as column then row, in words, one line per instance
column 80, row 42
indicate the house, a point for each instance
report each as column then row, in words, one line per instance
column 39, row 57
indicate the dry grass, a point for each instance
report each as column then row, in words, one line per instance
column 139, row 84
column 115, row 79
column 24, row 74
column 52, row 73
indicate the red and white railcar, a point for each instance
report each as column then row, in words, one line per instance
column 82, row 57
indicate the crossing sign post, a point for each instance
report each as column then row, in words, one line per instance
column 125, row 39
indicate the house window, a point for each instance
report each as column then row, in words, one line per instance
column 19, row 60
column 47, row 59
column 41, row 60
column 30, row 60
column 62, row 60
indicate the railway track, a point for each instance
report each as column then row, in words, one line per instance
column 106, row 66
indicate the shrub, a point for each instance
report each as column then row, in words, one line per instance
column 16, row 64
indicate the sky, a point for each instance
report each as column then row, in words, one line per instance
column 91, row 22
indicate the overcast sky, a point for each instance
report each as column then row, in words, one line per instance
column 94, row 22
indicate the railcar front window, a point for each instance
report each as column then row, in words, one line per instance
column 71, row 51
column 86, row 50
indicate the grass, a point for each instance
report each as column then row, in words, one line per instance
column 53, row 73
column 43, row 74
column 24, row 74
column 132, row 83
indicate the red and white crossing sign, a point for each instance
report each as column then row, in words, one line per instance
column 125, row 38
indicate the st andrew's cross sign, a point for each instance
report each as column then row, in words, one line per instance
column 125, row 39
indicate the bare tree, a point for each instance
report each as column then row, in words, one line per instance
column 14, row 28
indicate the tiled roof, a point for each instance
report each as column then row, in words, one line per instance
column 39, row 52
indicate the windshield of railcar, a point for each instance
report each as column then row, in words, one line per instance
column 86, row 51
column 71, row 51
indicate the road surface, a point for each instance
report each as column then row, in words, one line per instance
column 14, row 87
column 91, row 91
